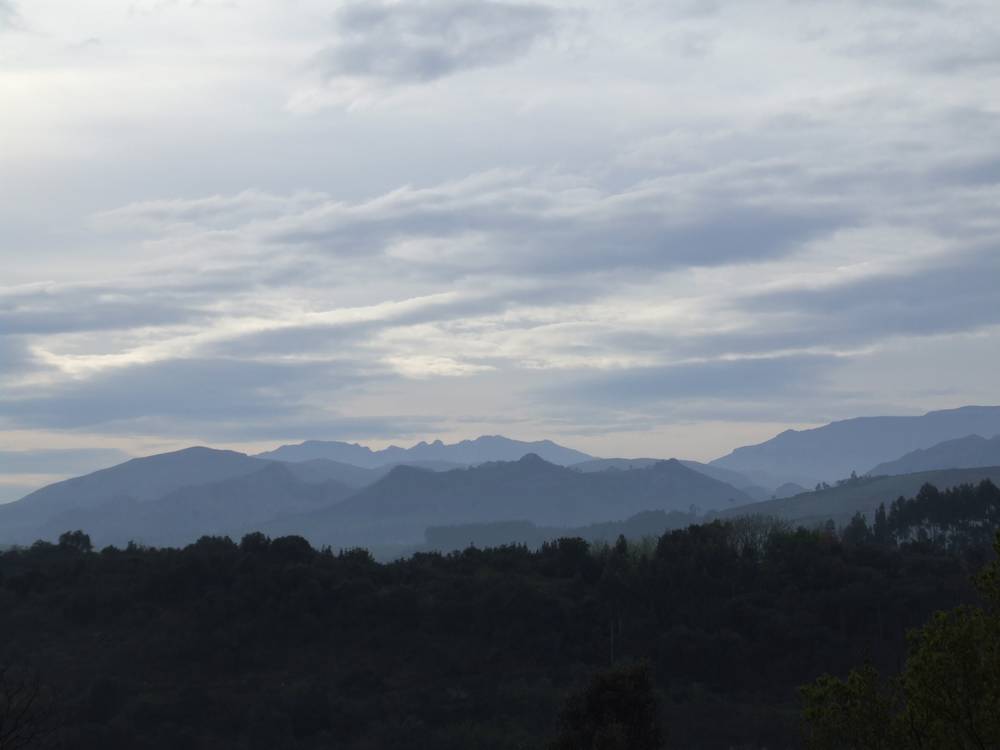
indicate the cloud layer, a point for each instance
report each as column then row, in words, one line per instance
column 657, row 229
column 400, row 43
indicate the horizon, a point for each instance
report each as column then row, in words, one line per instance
column 11, row 491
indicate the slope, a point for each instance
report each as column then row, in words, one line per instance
column 861, row 495
column 832, row 452
column 963, row 453
column 398, row 508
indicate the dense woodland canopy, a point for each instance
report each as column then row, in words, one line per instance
column 271, row 643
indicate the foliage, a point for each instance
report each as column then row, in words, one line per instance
column 270, row 643
column 26, row 711
column 616, row 711
column 948, row 695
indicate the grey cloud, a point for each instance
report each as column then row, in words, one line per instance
column 426, row 40
column 9, row 17
column 772, row 378
column 187, row 392
column 935, row 46
column 529, row 227
column 216, row 211
column 953, row 295
column 958, row 294
column 14, row 354
column 65, row 461
column 75, row 313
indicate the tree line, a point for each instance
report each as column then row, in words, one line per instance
column 699, row 640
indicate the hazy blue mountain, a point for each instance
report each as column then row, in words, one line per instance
column 139, row 480
column 318, row 470
column 323, row 469
column 734, row 478
column 173, row 498
column 614, row 464
column 832, row 452
column 230, row 507
column 963, row 453
column 400, row 506
column 145, row 478
column 864, row 494
column 465, row 453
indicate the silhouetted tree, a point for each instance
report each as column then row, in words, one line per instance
column 616, row 711
column 76, row 541
column 947, row 697
column 26, row 713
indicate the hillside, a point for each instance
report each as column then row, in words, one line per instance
column 733, row 478
column 964, row 453
column 398, row 508
column 231, row 507
column 862, row 495
column 139, row 480
column 465, row 453
column 832, row 452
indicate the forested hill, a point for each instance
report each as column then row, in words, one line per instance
column 861, row 495
column 271, row 643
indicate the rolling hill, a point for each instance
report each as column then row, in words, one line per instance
column 863, row 495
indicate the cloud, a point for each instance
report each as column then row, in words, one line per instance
column 49, row 310
column 9, row 16
column 192, row 391
column 61, row 461
column 397, row 43
column 722, row 380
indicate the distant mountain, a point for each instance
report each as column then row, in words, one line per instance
column 614, row 464
column 737, row 480
column 399, row 507
column 466, row 453
column 832, row 452
column 864, row 495
column 230, row 507
column 963, row 453
column 139, row 480
column 173, row 498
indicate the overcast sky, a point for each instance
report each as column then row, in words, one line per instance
column 639, row 227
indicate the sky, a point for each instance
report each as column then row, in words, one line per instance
column 638, row 228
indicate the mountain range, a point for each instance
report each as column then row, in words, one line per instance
column 398, row 508
column 963, row 453
column 466, row 452
column 345, row 494
column 832, row 452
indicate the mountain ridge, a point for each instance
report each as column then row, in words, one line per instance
column 401, row 505
column 834, row 450
column 967, row 452
column 469, row 452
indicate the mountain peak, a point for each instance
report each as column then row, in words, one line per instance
column 483, row 449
